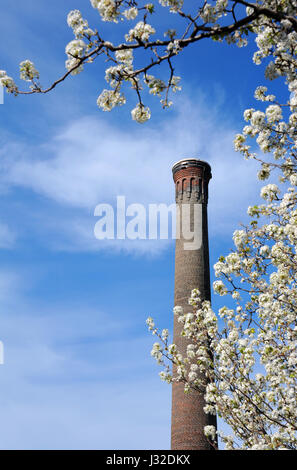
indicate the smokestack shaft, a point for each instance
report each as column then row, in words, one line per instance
column 191, row 179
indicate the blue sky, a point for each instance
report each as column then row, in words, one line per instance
column 78, row 372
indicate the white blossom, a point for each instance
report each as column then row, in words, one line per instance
column 131, row 13
column 27, row 71
column 8, row 83
column 174, row 5
column 210, row 431
column 141, row 114
column 269, row 192
column 141, row 32
column 125, row 56
column 108, row 99
column 107, row 9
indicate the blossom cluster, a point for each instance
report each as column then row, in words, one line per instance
column 75, row 51
column 79, row 25
column 250, row 375
column 108, row 9
column 141, row 32
column 28, row 71
column 109, row 99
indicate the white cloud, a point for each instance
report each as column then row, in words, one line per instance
column 90, row 162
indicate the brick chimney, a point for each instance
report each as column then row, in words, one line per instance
column 191, row 178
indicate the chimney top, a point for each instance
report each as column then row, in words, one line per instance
column 190, row 163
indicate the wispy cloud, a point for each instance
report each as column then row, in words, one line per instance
column 89, row 162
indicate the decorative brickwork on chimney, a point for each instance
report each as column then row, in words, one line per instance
column 191, row 178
